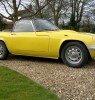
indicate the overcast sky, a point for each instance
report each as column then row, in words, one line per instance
column 2, row 10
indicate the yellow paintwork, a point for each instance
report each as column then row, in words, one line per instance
column 43, row 44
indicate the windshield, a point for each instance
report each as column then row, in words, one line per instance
column 44, row 25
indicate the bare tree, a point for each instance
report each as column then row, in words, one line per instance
column 36, row 8
column 54, row 9
column 13, row 6
column 51, row 9
column 77, row 10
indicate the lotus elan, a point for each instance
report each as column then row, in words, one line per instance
column 40, row 38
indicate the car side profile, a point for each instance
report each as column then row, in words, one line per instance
column 40, row 38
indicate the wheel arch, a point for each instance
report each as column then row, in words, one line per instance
column 67, row 41
column 1, row 40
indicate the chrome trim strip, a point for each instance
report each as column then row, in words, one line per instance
column 33, row 26
column 91, row 47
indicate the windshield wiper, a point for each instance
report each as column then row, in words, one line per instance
column 51, row 29
column 46, row 30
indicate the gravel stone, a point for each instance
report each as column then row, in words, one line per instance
column 68, row 83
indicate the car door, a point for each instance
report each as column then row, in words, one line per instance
column 24, row 39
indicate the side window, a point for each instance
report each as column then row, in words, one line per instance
column 23, row 26
column 39, row 25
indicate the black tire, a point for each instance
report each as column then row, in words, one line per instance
column 84, row 56
column 3, row 51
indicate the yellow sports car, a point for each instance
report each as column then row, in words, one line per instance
column 40, row 38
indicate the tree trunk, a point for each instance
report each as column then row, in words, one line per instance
column 38, row 6
column 15, row 10
column 77, row 13
column 56, row 19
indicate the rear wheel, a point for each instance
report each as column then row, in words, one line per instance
column 3, row 51
column 74, row 54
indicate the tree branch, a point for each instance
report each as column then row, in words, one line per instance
column 26, row 8
column 5, row 17
column 42, row 8
column 9, row 4
column 38, row 10
column 5, row 8
column 19, row 4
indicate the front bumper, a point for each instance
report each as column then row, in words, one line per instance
column 92, row 50
column 91, row 47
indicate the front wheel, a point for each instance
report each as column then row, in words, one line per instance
column 74, row 54
column 3, row 51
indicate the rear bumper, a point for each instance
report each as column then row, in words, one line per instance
column 92, row 50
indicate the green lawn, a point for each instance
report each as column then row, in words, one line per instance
column 14, row 86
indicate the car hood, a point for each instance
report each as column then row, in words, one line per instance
column 69, row 32
column 77, row 35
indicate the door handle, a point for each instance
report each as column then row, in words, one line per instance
column 13, row 34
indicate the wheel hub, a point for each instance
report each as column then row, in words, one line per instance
column 73, row 54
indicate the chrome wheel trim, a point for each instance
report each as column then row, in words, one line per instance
column 73, row 55
column 1, row 51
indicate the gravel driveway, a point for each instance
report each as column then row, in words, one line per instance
column 67, row 83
